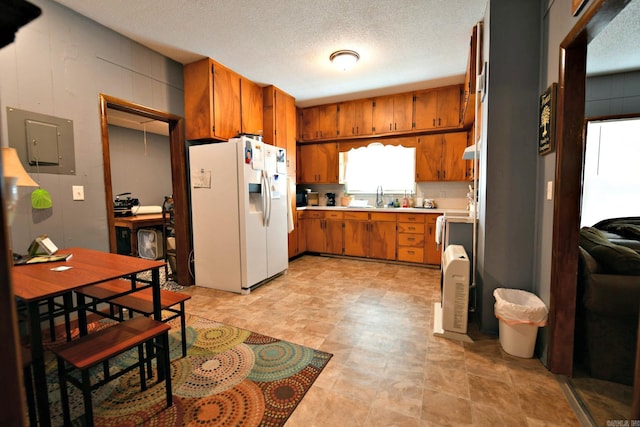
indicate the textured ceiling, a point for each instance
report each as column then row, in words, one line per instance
column 403, row 44
column 617, row 47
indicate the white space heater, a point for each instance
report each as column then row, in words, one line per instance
column 455, row 289
column 150, row 243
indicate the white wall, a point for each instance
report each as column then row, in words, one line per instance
column 58, row 65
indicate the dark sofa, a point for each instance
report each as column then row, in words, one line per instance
column 608, row 300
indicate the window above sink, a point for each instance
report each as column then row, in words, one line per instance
column 363, row 169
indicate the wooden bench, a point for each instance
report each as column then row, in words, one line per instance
column 140, row 301
column 105, row 344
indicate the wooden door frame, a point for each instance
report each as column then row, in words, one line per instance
column 568, row 177
column 178, row 174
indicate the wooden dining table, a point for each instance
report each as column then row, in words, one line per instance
column 34, row 283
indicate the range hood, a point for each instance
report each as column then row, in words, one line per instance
column 469, row 152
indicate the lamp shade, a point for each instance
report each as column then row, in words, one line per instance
column 11, row 166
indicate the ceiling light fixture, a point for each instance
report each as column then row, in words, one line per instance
column 344, row 59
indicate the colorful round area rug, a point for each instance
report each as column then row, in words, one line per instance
column 230, row 377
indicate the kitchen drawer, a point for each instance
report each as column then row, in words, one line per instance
column 381, row 216
column 357, row 216
column 410, row 254
column 408, row 239
column 333, row 215
column 409, row 227
column 311, row 214
column 411, row 217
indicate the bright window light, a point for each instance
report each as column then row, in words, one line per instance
column 610, row 184
column 392, row 167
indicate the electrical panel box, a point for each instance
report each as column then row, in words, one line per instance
column 44, row 143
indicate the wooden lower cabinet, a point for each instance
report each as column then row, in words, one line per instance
column 433, row 253
column 411, row 237
column 370, row 234
column 408, row 237
column 323, row 231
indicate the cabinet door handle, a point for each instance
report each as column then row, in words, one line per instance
column 434, row 122
column 411, row 239
column 390, row 126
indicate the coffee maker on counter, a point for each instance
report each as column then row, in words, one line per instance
column 331, row 199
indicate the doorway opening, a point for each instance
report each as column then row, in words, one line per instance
column 178, row 178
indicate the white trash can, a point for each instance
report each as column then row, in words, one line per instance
column 520, row 313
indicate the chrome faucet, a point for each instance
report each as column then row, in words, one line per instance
column 379, row 197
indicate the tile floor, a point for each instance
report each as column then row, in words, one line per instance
column 388, row 368
column 608, row 402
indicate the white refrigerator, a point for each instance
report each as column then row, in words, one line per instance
column 238, row 213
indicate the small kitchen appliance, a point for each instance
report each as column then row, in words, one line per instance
column 313, row 199
column 301, row 197
column 331, row 199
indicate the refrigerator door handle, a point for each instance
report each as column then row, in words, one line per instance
column 263, row 196
column 266, row 176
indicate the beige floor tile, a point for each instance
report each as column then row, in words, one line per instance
column 441, row 409
column 447, row 380
column 490, row 416
column 388, row 368
column 401, row 394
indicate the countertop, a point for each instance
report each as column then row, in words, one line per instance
column 451, row 212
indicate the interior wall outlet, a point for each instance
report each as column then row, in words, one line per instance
column 549, row 190
column 78, row 192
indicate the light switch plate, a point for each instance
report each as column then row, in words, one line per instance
column 78, row 192
column 549, row 190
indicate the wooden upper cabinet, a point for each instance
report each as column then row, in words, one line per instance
column 328, row 121
column 428, row 158
column 439, row 157
column 251, row 102
column 318, row 163
column 280, row 122
column 309, row 123
column 212, row 105
column 471, row 72
column 355, row 118
column 319, row 122
column 279, row 112
column 469, row 90
column 393, row 113
column 437, row 108
column 454, row 167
